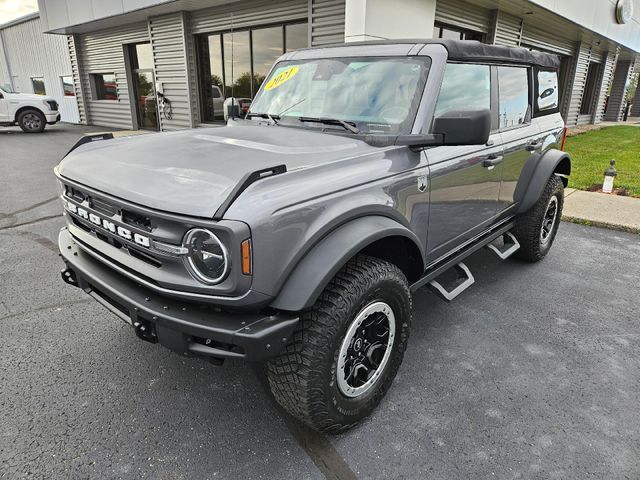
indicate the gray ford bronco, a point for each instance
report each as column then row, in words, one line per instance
column 296, row 235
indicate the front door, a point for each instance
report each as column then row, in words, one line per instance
column 146, row 104
column 465, row 180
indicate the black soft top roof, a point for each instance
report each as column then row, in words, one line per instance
column 472, row 50
column 469, row 50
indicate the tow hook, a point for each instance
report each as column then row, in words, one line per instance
column 145, row 330
column 69, row 276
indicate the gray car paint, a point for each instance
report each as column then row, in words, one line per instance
column 330, row 180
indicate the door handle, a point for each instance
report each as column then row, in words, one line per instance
column 492, row 160
column 533, row 146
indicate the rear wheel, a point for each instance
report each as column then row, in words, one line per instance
column 347, row 349
column 537, row 228
column 31, row 121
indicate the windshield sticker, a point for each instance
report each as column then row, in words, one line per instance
column 281, row 78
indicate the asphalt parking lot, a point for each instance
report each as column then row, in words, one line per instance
column 532, row 373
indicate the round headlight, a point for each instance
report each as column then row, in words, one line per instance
column 207, row 258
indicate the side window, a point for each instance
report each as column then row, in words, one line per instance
column 513, row 87
column 465, row 86
column 547, row 90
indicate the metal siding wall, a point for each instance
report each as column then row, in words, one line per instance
column 31, row 53
column 635, row 109
column 5, row 76
column 463, row 15
column 326, row 18
column 552, row 42
column 507, row 29
column 77, row 83
column 168, row 40
column 581, row 65
column 103, row 52
column 615, row 106
column 247, row 14
column 607, row 76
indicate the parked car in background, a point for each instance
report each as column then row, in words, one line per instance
column 29, row 111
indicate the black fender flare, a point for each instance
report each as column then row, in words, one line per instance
column 538, row 170
column 310, row 276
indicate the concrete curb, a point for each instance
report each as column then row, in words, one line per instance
column 595, row 223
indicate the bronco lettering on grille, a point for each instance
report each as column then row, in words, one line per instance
column 107, row 225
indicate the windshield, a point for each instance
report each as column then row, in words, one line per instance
column 6, row 88
column 377, row 95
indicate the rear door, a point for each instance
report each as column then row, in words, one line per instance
column 465, row 180
column 521, row 138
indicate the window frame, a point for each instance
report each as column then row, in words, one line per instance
column 44, row 86
column 93, row 88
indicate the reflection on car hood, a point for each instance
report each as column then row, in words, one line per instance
column 192, row 172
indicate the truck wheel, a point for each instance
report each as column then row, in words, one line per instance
column 347, row 349
column 31, row 121
column 537, row 228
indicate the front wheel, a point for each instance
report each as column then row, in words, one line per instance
column 347, row 350
column 32, row 121
column 536, row 229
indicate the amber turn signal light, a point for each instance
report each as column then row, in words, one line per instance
column 246, row 257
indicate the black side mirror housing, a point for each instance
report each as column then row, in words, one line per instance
column 463, row 127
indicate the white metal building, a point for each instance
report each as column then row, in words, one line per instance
column 33, row 62
column 196, row 52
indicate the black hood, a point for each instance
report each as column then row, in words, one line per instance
column 192, row 172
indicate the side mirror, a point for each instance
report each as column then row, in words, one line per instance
column 1, row 96
column 463, row 127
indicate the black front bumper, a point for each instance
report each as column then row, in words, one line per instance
column 185, row 327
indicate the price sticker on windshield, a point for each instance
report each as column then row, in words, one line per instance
column 281, row 78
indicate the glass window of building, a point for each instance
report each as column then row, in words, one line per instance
column 38, row 86
column 103, row 86
column 451, row 32
column 143, row 56
column 268, row 44
column 296, row 36
column 513, row 87
column 465, row 87
column 67, row 86
column 235, row 64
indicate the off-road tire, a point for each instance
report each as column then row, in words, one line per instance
column 31, row 121
column 529, row 225
column 303, row 377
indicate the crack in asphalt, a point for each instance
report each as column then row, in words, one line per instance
column 31, row 222
column 48, row 307
column 31, row 207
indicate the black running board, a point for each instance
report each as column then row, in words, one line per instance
column 438, row 268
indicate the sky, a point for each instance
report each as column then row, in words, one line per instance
column 12, row 9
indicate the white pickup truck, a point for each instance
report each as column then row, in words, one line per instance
column 29, row 111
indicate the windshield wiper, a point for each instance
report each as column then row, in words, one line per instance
column 331, row 121
column 273, row 118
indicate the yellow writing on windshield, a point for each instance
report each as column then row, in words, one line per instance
column 282, row 77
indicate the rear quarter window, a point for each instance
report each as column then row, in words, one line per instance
column 547, row 97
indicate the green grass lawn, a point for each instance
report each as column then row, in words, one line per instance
column 590, row 154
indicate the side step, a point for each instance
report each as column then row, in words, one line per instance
column 509, row 247
column 463, row 281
